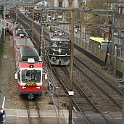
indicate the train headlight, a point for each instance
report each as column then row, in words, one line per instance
column 38, row 87
column 23, row 87
column 59, row 50
column 31, row 66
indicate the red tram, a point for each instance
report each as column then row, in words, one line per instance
column 29, row 72
column 29, row 66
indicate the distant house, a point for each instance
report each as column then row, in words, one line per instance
column 41, row 4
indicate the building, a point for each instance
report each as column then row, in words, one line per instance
column 59, row 3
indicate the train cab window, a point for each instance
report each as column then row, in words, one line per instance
column 31, row 75
column 64, row 43
column 54, row 44
column 19, row 76
column 60, row 44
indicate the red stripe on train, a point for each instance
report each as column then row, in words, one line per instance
column 33, row 65
column 30, row 89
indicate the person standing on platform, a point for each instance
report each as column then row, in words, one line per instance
column 2, row 113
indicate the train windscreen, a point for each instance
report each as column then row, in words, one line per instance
column 31, row 75
column 63, row 44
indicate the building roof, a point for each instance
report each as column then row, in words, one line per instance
column 97, row 39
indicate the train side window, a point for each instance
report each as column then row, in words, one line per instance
column 60, row 4
column 54, row 44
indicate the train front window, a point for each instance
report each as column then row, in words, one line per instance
column 31, row 76
column 60, row 44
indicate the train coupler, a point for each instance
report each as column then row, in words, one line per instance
column 30, row 96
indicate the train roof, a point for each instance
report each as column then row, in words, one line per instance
column 28, row 53
column 20, row 31
column 59, row 39
column 18, row 26
column 99, row 39
column 23, row 42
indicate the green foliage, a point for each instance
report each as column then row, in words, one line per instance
column 97, row 17
column 97, row 4
column 1, row 51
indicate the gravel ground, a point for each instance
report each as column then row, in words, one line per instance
column 93, row 91
column 96, row 66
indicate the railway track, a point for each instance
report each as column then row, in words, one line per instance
column 31, row 111
column 108, row 89
column 81, row 101
column 110, row 82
